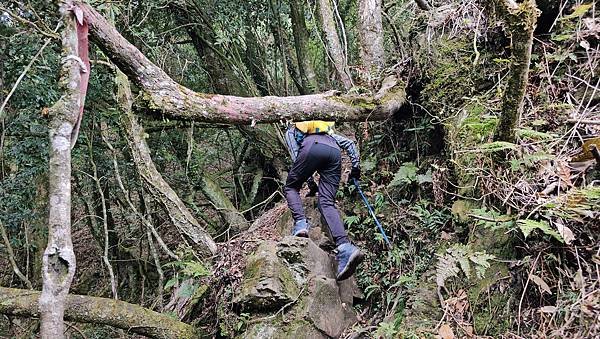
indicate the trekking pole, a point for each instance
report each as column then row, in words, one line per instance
column 387, row 241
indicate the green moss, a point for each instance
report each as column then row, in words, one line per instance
column 487, row 302
column 365, row 103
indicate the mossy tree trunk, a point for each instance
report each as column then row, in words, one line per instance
column 179, row 214
column 58, row 261
column 164, row 97
column 370, row 32
column 103, row 311
column 215, row 194
column 521, row 19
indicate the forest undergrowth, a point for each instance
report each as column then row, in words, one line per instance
column 511, row 228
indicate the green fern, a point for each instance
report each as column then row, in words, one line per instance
column 496, row 146
column 526, row 133
column 461, row 258
column 527, row 226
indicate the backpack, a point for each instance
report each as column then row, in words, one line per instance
column 315, row 126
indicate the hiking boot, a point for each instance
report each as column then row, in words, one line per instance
column 348, row 258
column 301, row 228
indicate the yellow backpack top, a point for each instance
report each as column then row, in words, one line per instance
column 315, row 126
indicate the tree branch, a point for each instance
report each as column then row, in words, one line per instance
column 164, row 97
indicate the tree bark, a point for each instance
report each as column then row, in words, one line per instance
column 179, row 214
column 166, row 98
column 232, row 217
column 58, row 261
column 370, row 32
column 332, row 42
column 80, row 308
column 308, row 78
column 521, row 19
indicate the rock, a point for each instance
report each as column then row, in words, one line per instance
column 267, row 284
column 325, row 309
column 305, row 258
column 300, row 329
column 349, row 292
column 423, row 307
column 297, row 273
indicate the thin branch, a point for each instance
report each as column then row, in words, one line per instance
column 11, row 257
column 50, row 35
column 20, row 78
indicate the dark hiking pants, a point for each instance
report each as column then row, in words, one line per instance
column 318, row 153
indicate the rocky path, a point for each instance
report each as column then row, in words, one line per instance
column 289, row 288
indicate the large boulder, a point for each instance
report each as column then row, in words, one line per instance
column 267, row 284
column 289, row 288
column 290, row 291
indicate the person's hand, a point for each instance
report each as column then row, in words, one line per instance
column 312, row 187
column 354, row 174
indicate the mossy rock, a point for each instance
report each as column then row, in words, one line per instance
column 267, row 284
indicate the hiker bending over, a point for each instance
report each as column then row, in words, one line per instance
column 315, row 148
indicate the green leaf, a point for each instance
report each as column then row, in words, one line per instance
column 351, row 220
column 187, row 290
column 423, row 178
column 578, row 11
column 527, row 133
column 496, row 146
column 527, row 225
column 172, row 282
column 407, row 173
column 561, row 37
column 368, row 165
column 482, row 262
column 195, row 269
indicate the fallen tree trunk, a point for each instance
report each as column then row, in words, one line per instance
column 164, row 97
column 85, row 309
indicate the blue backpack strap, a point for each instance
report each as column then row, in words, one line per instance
column 298, row 135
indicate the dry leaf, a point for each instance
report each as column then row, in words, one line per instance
column 445, row 236
column 541, row 283
column 566, row 233
column 548, row 309
column 579, row 280
column 468, row 331
column 584, row 44
column 445, row 332
column 564, row 173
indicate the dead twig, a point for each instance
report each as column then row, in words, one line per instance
column 11, row 257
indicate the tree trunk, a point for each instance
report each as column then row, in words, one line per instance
column 177, row 211
column 103, row 311
column 332, row 42
column 521, row 20
column 308, row 78
column 232, row 217
column 370, row 32
column 58, row 262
